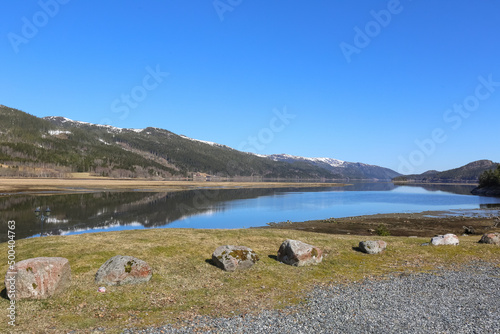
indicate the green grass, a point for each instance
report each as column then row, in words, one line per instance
column 185, row 284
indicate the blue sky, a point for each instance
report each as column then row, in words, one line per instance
column 409, row 85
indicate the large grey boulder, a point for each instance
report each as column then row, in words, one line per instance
column 297, row 253
column 121, row 270
column 231, row 258
column 38, row 278
column 372, row 246
column 490, row 238
column 447, row 239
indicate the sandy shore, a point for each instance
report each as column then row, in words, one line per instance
column 34, row 186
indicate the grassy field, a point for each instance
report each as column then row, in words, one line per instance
column 186, row 284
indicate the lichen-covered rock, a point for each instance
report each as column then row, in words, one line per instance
column 372, row 246
column 490, row 238
column 38, row 278
column 121, row 270
column 231, row 258
column 447, row 239
column 298, row 253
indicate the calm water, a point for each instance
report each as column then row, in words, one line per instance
column 224, row 208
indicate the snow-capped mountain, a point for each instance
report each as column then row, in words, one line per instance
column 57, row 146
column 348, row 170
column 287, row 157
column 339, row 169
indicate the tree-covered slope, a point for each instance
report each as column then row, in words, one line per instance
column 468, row 173
column 55, row 146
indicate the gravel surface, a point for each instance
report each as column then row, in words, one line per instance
column 464, row 301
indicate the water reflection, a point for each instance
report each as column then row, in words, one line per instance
column 108, row 210
column 221, row 208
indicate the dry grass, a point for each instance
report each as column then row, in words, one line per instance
column 186, row 284
column 9, row 186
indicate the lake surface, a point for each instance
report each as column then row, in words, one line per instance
column 224, row 208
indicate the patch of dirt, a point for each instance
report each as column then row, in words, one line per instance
column 423, row 224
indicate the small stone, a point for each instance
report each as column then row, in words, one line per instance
column 231, row 258
column 447, row 239
column 297, row 253
column 120, row 270
column 469, row 230
column 372, row 246
column 490, row 238
column 38, row 278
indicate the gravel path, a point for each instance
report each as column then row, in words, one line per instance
column 465, row 301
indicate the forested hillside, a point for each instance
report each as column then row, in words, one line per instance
column 55, row 146
column 469, row 173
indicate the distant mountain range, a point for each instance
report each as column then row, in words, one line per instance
column 467, row 174
column 56, row 146
column 350, row 170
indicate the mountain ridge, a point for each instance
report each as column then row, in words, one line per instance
column 468, row 173
column 56, row 146
column 350, row 170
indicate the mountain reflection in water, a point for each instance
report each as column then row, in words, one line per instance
column 93, row 212
column 103, row 211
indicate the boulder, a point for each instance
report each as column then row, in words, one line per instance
column 490, row 238
column 38, row 278
column 297, row 253
column 121, row 270
column 372, row 246
column 231, row 258
column 447, row 239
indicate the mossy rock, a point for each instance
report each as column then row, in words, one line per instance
column 121, row 270
column 231, row 258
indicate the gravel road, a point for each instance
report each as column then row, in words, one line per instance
column 463, row 301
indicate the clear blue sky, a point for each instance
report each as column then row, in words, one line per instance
column 363, row 80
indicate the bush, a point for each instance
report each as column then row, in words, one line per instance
column 490, row 178
column 382, row 231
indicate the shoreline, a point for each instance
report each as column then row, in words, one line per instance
column 437, row 183
column 78, row 185
column 419, row 224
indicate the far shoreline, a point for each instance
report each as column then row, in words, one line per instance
column 44, row 186
column 83, row 182
column 436, row 183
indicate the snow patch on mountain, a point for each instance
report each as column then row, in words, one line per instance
column 110, row 128
column 329, row 161
column 204, row 142
column 58, row 132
